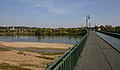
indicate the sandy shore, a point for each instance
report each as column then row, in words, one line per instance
column 36, row 45
column 11, row 60
column 24, row 60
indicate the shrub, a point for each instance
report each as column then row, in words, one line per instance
column 20, row 52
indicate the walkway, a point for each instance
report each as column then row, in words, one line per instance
column 98, row 55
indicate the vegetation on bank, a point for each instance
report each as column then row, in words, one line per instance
column 46, row 57
column 20, row 52
column 4, row 49
column 40, row 31
column 7, row 66
column 109, row 28
column 51, row 53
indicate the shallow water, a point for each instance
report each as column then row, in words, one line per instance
column 71, row 39
column 41, row 50
column 68, row 39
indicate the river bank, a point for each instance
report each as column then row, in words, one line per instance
column 23, row 60
column 28, row 60
column 37, row 45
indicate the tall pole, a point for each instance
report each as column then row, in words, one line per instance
column 87, row 18
column 86, row 22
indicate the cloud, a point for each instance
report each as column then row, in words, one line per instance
column 58, row 6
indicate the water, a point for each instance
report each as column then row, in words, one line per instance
column 41, row 50
column 115, row 42
column 69, row 39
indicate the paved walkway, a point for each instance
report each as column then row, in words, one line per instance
column 98, row 55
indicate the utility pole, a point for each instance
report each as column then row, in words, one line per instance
column 87, row 22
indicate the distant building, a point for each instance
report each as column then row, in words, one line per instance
column 108, row 26
column 11, row 28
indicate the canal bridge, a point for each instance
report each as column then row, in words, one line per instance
column 92, row 52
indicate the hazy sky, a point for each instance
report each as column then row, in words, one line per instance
column 58, row 13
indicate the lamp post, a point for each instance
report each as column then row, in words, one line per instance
column 87, row 18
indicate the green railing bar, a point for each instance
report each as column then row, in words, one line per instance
column 69, row 58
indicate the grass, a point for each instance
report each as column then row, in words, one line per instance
column 51, row 53
column 33, row 65
column 28, row 65
column 7, row 66
column 20, row 52
column 28, row 50
column 45, row 57
column 4, row 49
column 43, row 54
column 47, row 53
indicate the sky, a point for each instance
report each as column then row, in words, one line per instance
column 59, row 13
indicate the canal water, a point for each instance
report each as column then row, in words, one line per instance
column 68, row 39
column 115, row 42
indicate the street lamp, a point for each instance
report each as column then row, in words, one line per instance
column 87, row 18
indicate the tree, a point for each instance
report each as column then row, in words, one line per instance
column 102, row 27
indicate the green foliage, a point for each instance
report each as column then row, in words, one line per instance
column 51, row 53
column 47, row 53
column 28, row 64
column 4, row 49
column 40, row 31
column 45, row 57
column 117, row 29
column 20, row 52
column 109, row 28
column 59, row 31
column 7, row 66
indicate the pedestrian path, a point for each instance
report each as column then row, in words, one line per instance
column 98, row 55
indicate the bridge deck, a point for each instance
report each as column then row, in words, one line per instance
column 98, row 55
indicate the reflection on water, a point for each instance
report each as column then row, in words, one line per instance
column 115, row 42
column 71, row 39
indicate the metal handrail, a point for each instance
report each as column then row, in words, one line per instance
column 69, row 58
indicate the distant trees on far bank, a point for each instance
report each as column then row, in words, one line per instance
column 40, row 31
column 108, row 28
column 60, row 31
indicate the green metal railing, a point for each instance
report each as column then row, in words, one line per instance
column 69, row 58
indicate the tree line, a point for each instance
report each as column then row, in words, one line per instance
column 40, row 31
column 108, row 28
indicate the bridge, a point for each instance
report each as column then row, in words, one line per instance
column 91, row 53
